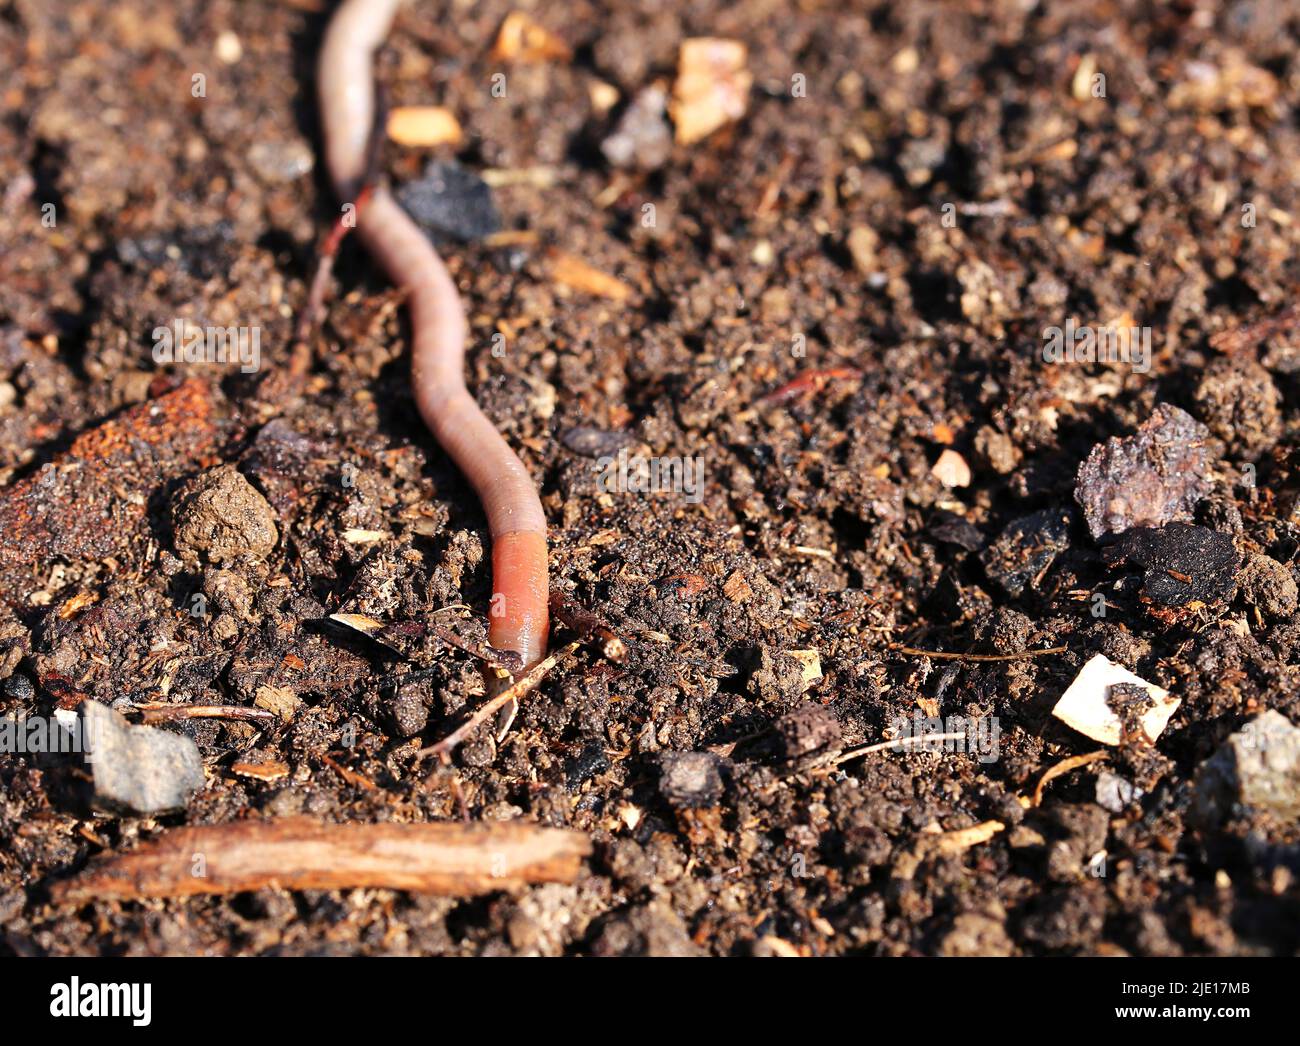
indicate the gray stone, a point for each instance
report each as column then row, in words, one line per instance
column 138, row 769
column 690, row 779
column 1115, row 793
column 643, row 140
column 1257, row 769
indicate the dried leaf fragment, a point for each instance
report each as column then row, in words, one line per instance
column 1084, row 705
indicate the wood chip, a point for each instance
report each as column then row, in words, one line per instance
column 522, row 39
column 1083, row 705
column 951, row 470
column 367, row 626
column 77, row 603
column 457, row 860
column 576, row 273
column 363, row 537
column 278, row 699
column 965, row 838
column 268, row 771
column 737, row 589
column 712, row 87
column 424, row 126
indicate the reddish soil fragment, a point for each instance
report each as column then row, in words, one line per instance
column 94, row 499
column 1154, row 476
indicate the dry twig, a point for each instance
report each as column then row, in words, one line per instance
column 1064, row 767
column 945, row 655
column 299, row 854
column 513, row 692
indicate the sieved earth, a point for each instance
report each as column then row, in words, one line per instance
column 912, row 195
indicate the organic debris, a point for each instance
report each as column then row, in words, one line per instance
column 712, row 87
column 1086, row 707
column 424, row 126
column 138, row 769
column 520, row 38
column 1185, row 568
column 458, row 860
column 577, row 274
column 1020, row 556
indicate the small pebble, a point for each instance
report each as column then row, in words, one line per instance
column 277, row 163
column 1155, row 476
column 690, row 780
column 1257, row 768
column 951, row 470
column 1116, row 794
column 643, row 140
column 229, row 49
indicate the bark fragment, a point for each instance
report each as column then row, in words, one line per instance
column 457, row 860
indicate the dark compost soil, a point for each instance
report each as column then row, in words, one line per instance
column 947, row 186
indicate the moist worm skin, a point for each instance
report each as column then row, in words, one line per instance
column 519, row 616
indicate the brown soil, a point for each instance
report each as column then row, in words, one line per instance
column 821, row 526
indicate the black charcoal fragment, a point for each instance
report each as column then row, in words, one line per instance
column 1025, row 550
column 450, row 201
column 1181, row 564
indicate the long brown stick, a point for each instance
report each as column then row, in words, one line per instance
column 458, row 860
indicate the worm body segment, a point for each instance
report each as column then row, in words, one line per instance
column 519, row 617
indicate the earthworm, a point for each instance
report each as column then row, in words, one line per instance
column 518, row 618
